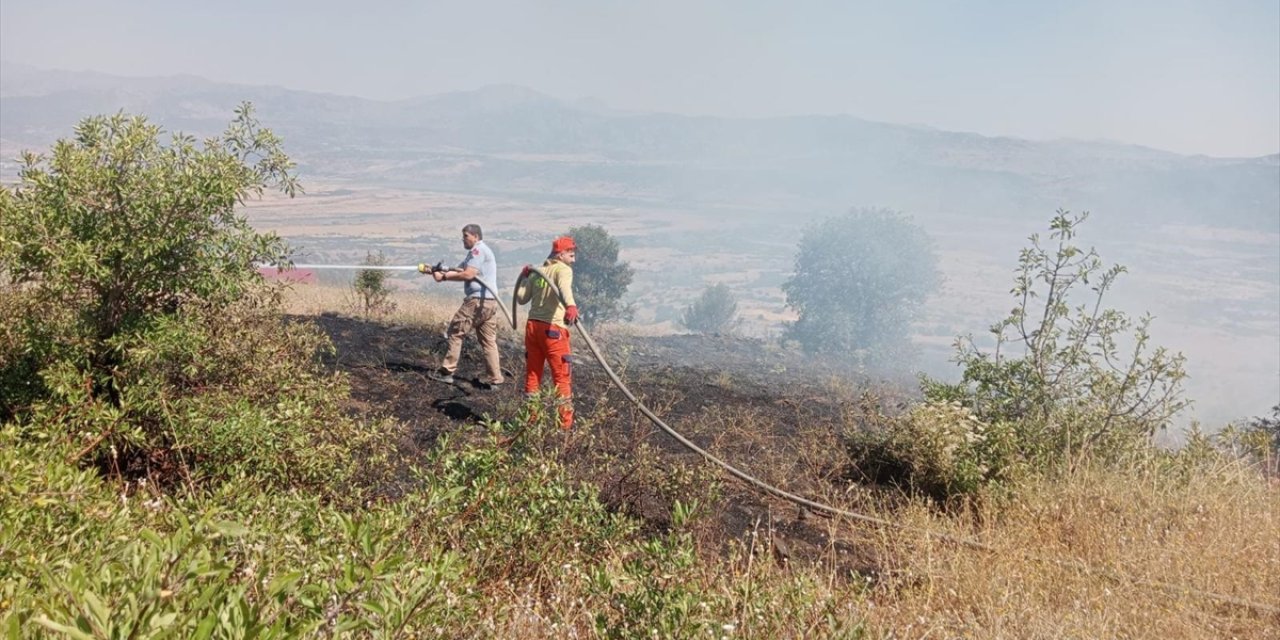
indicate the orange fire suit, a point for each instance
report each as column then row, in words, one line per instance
column 546, row 335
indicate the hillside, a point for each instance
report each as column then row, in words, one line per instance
column 190, row 449
column 786, row 418
column 699, row 384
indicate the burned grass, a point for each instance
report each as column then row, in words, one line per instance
column 1076, row 556
column 774, row 414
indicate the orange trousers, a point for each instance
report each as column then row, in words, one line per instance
column 546, row 344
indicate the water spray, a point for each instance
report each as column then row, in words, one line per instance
column 423, row 268
column 352, row 267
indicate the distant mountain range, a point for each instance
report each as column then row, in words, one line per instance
column 508, row 139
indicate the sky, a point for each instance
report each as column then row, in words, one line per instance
column 1191, row 77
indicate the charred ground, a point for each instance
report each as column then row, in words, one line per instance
column 776, row 414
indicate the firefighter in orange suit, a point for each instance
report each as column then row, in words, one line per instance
column 546, row 333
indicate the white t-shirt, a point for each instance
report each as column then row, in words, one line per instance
column 481, row 257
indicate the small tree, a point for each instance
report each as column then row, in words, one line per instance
column 599, row 279
column 859, row 281
column 116, row 229
column 715, row 311
column 371, row 287
column 1074, row 375
column 134, row 324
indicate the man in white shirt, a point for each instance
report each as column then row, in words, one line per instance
column 479, row 271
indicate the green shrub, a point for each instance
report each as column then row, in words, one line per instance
column 215, row 394
column 84, row 560
column 517, row 507
column 1075, row 378
column 371, row 290
column 939, row 448
column 655, row 594
column 82, row 554
column 136, row 325
column 115, row 230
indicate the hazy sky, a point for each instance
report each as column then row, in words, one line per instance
column 1192, row 77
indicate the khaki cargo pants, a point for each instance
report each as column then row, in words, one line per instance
column 481, row 316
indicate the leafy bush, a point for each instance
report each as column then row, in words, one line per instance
column 136, row 323
column 237, row 560
column 941, row 449
column 715, row 311
column 858, row 282
column 654, row 594
column 116, row 229
column 1074, row 376
column 85, row 561
column 599, row 279
column 371, row 288
column 518, row 510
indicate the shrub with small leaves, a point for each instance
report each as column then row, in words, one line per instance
column 371, row 288
column 942, row 449
column 137, row 326
column 1079, row 380
column 84, row 560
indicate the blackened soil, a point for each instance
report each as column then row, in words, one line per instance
column 775, row 414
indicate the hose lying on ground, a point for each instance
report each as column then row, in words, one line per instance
column 816, row 507
column 832, row 511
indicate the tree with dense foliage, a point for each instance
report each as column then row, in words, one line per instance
column 859, row 280
column 715, row 311
column 600, row 280
column 116, row 230
column 135, row 322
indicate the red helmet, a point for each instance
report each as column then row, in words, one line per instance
column 562, row 244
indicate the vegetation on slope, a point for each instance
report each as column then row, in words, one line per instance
column 176, row 461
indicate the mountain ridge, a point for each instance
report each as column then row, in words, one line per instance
column 498, row 138
column 497, row 93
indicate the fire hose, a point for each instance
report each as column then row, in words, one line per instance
column 829, row 510
column 769, row 489
column 511, row 316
